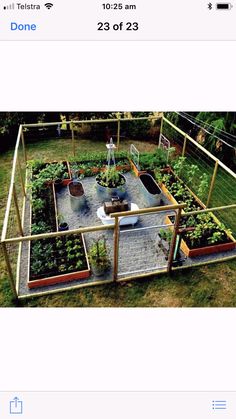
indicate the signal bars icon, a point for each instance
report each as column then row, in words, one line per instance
column 9, row 7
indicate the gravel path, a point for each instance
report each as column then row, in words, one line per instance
column 138, row 249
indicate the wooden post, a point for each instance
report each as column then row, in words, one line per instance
column 212, row 183
column 161, row 129
column 73, row 139
column 23, row 145
column 21, row 177
column 17, row 212
column 118, row 133
column 173, row 241
column 116, row 248
column 10, row 273
column 184, row 146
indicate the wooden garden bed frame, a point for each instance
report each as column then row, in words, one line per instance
column 19, row 168
column 60, row 278
column 206, row 250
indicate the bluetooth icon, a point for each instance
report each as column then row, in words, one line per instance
column 209, row 6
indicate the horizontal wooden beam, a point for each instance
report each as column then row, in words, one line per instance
column 210, row 210
column 89, row 121
column 147, row 210
column 60, row 233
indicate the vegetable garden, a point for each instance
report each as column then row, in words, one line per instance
column 83, row 221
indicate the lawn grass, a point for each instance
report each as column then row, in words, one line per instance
column 208, row 286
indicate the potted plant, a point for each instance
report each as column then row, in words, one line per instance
column 98, row 257
column 62, row 225
column 111, row 183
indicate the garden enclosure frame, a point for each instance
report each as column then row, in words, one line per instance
column 14, row 216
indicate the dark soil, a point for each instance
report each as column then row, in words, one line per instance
column 76, row 189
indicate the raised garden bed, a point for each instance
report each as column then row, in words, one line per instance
column 171, row 198
column 57, row 260
column 148, row 162
column 178, row 196
column 135, row 169
column 43, row 211
column 98, row 163
column 52, row 260
column 206, row 249
column 51, row 172
column 204, row 233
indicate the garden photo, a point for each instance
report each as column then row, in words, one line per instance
column 118, row 209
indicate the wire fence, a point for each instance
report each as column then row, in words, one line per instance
column 199, row 171
column 149, row 243
column 215, row 186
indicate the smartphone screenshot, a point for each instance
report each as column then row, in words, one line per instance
column 117, row 209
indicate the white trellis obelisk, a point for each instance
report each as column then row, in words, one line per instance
column 110, row 153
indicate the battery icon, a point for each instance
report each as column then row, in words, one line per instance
column 224, row 6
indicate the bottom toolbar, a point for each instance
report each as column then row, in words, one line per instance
column 107, row 405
